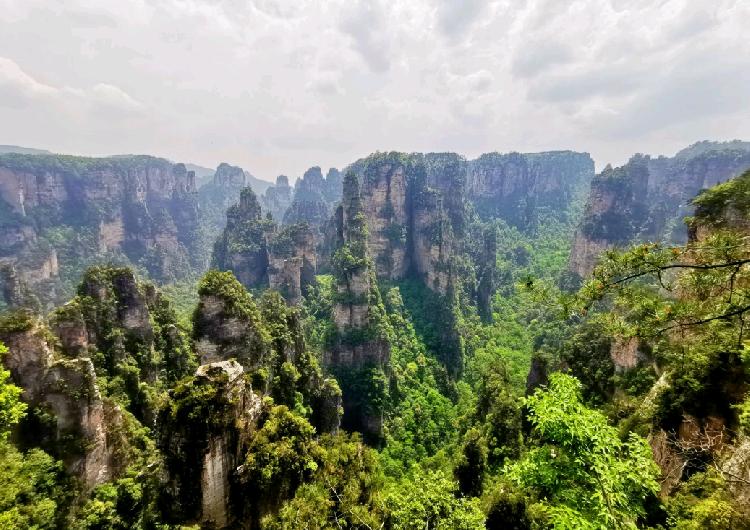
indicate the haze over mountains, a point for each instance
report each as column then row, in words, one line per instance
column 156, row 215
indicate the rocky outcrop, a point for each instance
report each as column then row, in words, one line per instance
column 417, row 205
column 128, row 330
column 66, row 389
column 384, row 204
column 243, row 246
column 333, row 186
column 516, row 187
column 439, row 223
column 402, row 200
column 361, row 350
column 57, row 211
column 221, row 193
column 227, row 324
column 262, row 255
column 277, row 199
column 487, row 274
column 204, row 436
column 309, row 205
column 646, row 199
column 292, row 261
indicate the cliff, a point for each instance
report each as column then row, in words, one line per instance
column 117, row 330
column 646, row 199
column 360, row 353
column 515, row 186
column 277, row 198
column 309, row 204
column 204, row 434
column 418, row 206
column 260, row 254
column 292, row 261
column 58, row 213
column 219, row 194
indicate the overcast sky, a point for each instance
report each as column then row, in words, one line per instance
column 278, row 86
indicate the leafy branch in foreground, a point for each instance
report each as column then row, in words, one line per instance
column 581, row 473
column 655, row 289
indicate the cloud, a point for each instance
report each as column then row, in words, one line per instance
column 279, row 85
column 456, row 17
column 114, row 97
column 541, row 56
column 364, row 22
column 17, row 88
column 326, row 83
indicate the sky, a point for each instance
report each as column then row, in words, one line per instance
column 277, row 86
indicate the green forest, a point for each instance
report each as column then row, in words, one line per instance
column 613, row 401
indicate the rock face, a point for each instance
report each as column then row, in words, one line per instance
column 361, row 350
column 309, row 204
column 218, row 195
column 243, row 246
column 261, row 255
column 333, row 187
column 516, row 186
column 487, row 274
column 129, row 332
column 228, row 326
column 60, row 210
column 292, row 261
column 276, row 199
column 416, row 205
column 204, row 441
column 646, row 199
column 206, row 431
column 67, row 389
column 384, row 204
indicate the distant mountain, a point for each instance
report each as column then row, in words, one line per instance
column 259, row 185
column 202, row 174
column 4, row 149
column 647, row 198
column 61, row 213
column 707, row 146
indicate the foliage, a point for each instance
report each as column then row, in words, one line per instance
column 420, row 418
column 429, row 500
column 282, row 456
column 723, row 203
column 12, row 409
column 32, row 484
column 703, row 502
column 343, row 491
column 582, row 474
column 689, row 305
column 33, row 489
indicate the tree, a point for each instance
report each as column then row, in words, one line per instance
column 581, row 473
column 12, row 409
column 430, row 500
column 31, row 484
column 344, row 491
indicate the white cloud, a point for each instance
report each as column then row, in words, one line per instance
column 17, row 88
column 280, row 85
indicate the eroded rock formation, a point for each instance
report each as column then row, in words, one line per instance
column 66, row 389
column 277, row 198
column 260, row 254
column 361, row 351
column 647, row 198
column 60, row 211
column 204, row 441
